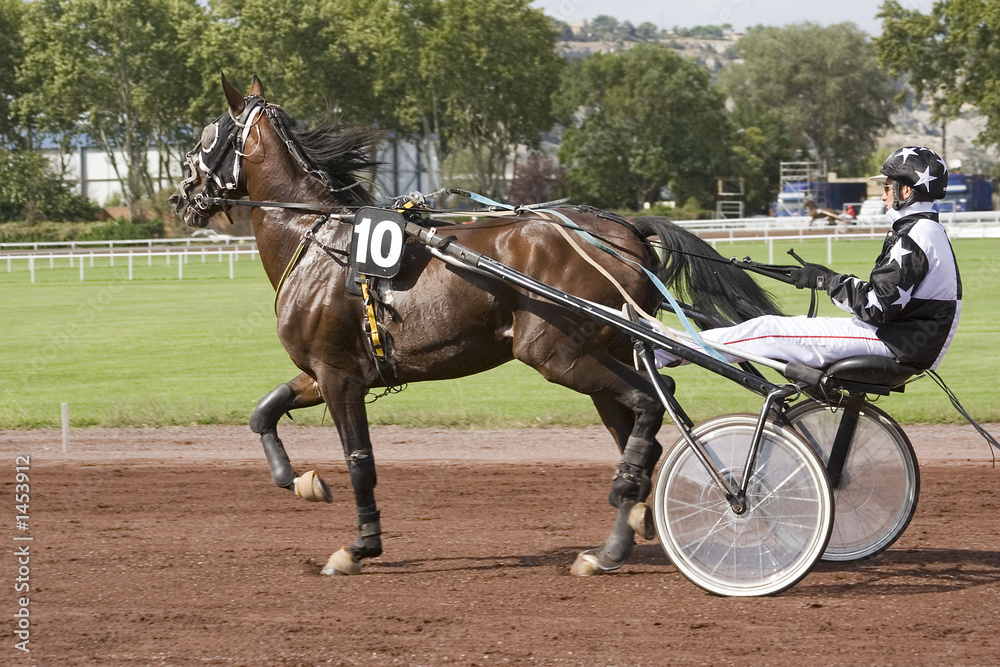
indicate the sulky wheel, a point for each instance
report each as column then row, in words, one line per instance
column 876, row 494
column 785, row 520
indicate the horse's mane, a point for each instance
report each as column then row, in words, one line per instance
column 339, row 151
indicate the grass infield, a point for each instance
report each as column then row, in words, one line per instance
column 161, row 350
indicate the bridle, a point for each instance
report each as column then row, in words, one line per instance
column 218, row 160
column 218, row 156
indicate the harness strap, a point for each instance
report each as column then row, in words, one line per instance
column 611, row 279
column 371, row 322
column 597, row 243
column 379, row 347
column 296, row 256
column 649, row 274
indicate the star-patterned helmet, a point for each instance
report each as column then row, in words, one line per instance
column 919, row 167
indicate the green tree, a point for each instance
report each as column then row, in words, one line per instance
column 488, row 69
column 950, row 55
column 385, row 40
column 647, row 32
column 298, row 48
column 650, row 119
column 603, row 28
column 823, row 84
column 31, row 191
column 11, row 57
column 112, row 71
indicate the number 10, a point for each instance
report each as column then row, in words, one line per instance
column 374, row 239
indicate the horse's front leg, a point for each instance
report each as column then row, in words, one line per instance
column 351, row 418
column 301, row 392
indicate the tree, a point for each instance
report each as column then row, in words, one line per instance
column 299, row 49
column 540, row 179
column 822, row 84
column 31, row 191
column 755, row 155
column 648, row 118
column 11, row 57
column 951, row 55
column 118, row 73
column 647, row 32
column 603, row 28
column 488, row 69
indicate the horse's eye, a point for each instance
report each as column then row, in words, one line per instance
column 209, row 136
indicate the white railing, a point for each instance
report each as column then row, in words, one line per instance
column 803, row 225
column 128, row 262
column 188, row 241
column 129, row 253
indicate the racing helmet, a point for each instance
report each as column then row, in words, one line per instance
column 919, row 167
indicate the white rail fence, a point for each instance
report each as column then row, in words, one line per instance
column 793, row 225
column 179, row 252
column 187, row 242
column 129, row 262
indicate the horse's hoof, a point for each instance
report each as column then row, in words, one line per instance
column 640, row 519
column 342, row 563
column 310, row 487
column 585, row 565
column 588, row 563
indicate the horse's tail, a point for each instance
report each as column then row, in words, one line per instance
column 699, row 275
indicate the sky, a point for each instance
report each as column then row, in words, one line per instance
column 739, row 13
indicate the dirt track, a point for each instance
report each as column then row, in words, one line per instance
column 173, row 547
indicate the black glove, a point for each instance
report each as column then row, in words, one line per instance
column 813, row 276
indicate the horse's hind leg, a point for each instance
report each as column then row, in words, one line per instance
column 634, row 433
column 627, row 403
column 301, row 392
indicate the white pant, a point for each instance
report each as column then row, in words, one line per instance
column 811, row 341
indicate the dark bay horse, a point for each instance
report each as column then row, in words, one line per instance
column 439, row 321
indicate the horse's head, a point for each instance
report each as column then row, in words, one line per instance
column 220, row 167
column 215, row 165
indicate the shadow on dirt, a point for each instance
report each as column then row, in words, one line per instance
column 906, row 572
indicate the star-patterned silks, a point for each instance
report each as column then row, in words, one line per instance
column 904, row 296
column 873, row 301
column 897, row 253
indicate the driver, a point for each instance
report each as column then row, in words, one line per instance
column 908, row 308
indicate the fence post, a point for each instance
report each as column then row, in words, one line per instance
column 65, row 427
column 230, row 266
column 31, row 267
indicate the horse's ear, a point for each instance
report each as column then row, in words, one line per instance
column 233, row 96
column 256, row 88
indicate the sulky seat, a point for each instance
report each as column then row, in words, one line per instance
column 868, row 374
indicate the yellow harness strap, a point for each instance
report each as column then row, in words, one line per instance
column 296, row 256
column 372, row 321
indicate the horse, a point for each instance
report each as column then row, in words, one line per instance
column 829, row 215
column 436, row 321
